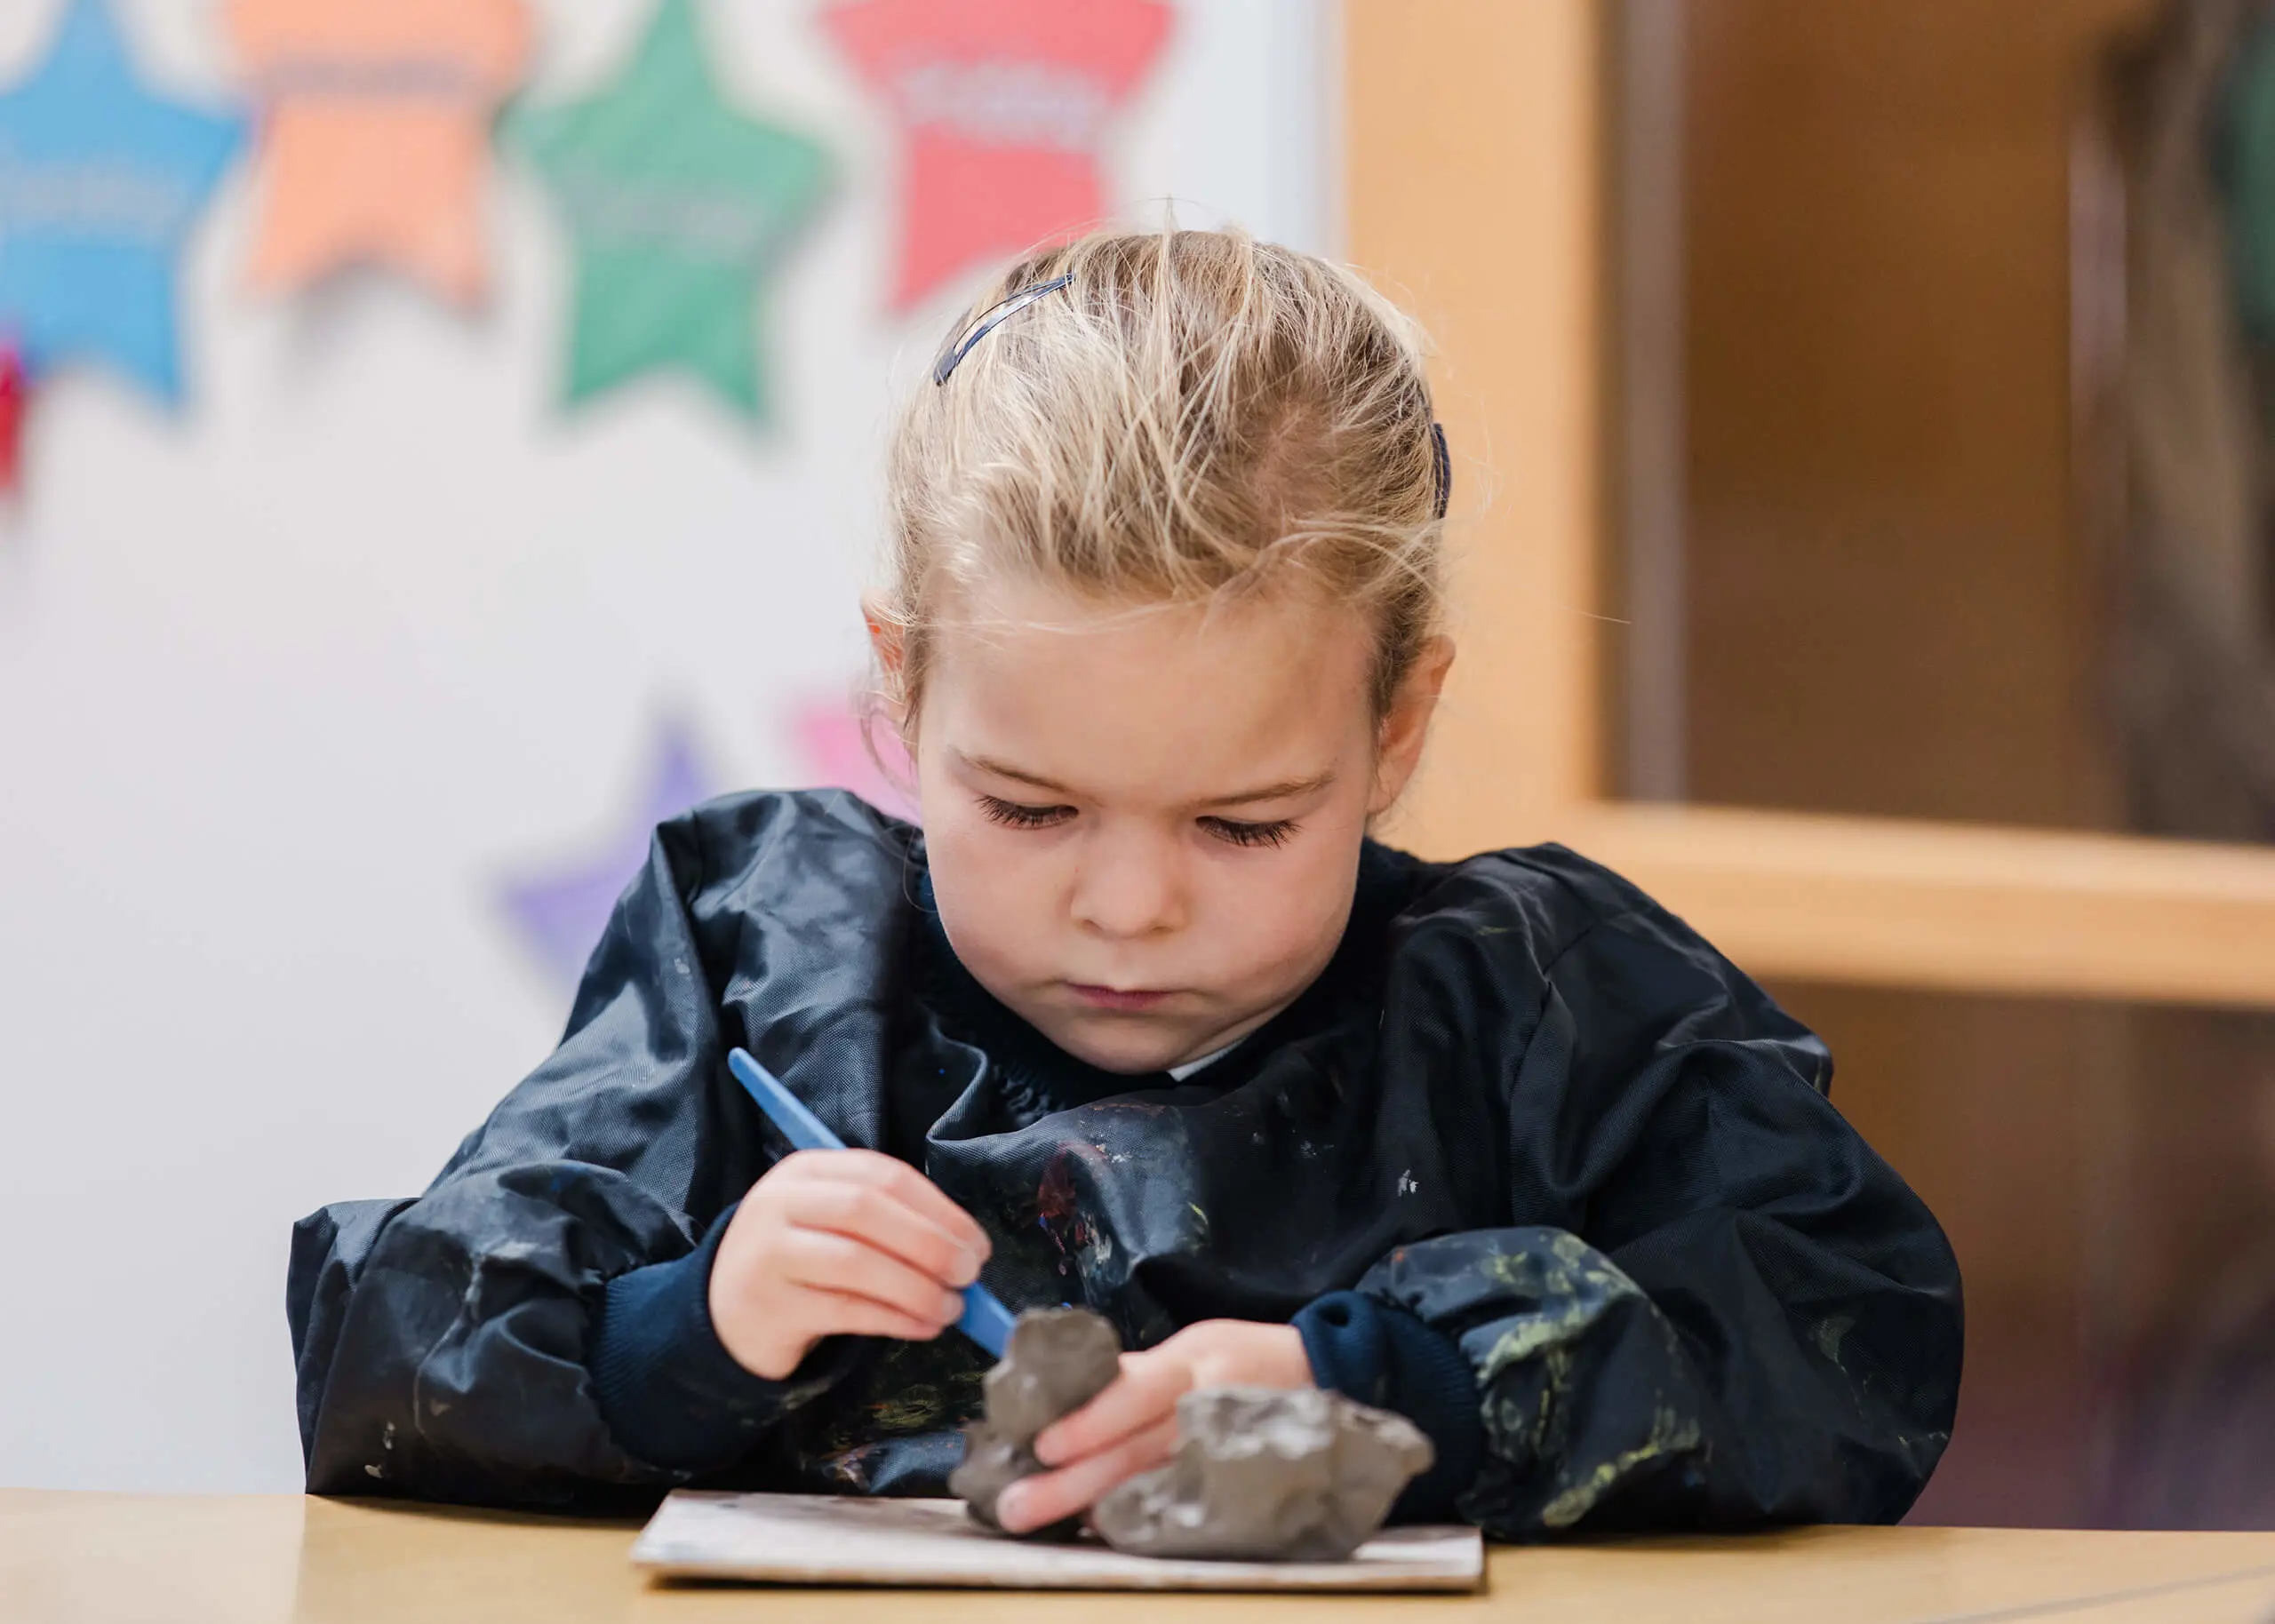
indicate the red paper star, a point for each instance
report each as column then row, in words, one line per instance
column 376, row 133
column 15, row 393
column 1004, row 104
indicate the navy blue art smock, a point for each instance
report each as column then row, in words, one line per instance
column 1530, row 1161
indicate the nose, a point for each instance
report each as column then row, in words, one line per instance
column 1129, row 886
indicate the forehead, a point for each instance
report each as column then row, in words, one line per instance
column 1157, row 702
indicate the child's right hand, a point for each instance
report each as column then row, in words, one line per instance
column 832, row 1243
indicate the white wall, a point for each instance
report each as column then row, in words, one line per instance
column 289, row 688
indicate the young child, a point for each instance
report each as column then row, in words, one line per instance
column 1141, row 1019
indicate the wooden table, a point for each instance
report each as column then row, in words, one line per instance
column 66, row 1557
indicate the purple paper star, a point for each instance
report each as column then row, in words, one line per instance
column 559, row 917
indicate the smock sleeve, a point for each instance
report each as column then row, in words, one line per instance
column 1741, row 1316
column 445, row 1345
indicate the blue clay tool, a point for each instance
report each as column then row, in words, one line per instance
column 985, row 1320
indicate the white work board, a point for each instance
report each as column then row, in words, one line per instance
column 830, row 1539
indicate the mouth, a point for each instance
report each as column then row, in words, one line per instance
column 1121, row 1000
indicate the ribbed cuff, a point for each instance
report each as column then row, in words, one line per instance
column 670, row 1392
column 1380, row 1355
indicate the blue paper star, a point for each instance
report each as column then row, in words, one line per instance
column 99, row 184
column 560, row 916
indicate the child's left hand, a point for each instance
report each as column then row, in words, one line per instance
column 1131, row 1427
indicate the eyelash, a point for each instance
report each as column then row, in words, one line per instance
column 1250, row 834
column 1014, row 814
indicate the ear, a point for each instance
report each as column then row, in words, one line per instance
column 1398, row 745
column 888, row 643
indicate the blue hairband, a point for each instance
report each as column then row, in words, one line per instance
column 959, row 346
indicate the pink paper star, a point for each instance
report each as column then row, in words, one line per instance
column 1003, row 104
column 834, row 741
column 376, row 118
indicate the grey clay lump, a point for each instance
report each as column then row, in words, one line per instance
column 1055, row 1362
column 1260, row 1474
column 1266, row 1475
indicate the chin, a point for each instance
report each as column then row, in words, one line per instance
column 1117, row 1047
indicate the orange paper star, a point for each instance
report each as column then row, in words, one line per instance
column 376, row 118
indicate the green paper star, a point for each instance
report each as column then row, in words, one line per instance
column 679, row 208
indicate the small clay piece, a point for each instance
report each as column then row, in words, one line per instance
column 1055, row 1362
column 1267, row 1475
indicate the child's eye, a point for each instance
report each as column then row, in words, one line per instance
column 1012, row 815
column 1250, row 834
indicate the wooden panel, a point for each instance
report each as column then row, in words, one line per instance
column 1994, row 1111
column 1472, row 179
column 1473, row 166
column 1891, row 903
column 1892, row 605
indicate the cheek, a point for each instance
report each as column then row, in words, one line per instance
column 986, row 888
column 1287, row 915
column 960, row 849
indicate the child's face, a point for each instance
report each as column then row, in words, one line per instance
column 1143, row 824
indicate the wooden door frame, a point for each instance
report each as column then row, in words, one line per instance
column 1475, row 193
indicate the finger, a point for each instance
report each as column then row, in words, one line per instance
column 853, row 1268
column 1038, row 1502
column 1145, row 1394
column 865, row 1212
column 910, row 1188
column 828, row 1313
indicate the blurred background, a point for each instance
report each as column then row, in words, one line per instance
column 441, row 439
column 1944, row 480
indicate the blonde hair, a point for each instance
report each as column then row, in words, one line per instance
column 1194, row 414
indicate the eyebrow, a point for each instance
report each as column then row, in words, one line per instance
column 1285, row 788
column 1280, row 790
